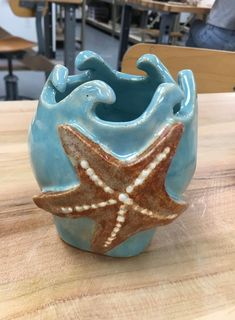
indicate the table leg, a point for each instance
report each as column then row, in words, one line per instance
column 114, row 15
column 143, row 24
column 167, row 23
column 83, row 25
column 124, row 33
column 69, row 37
column 48, row 34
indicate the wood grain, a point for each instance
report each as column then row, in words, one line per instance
column 187, row 273
column 14, row 44
column 167, row 7
column 214, row 70
column 78, row 2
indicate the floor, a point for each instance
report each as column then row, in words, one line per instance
column 96, row 40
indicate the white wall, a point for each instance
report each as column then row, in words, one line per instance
column 22, row 27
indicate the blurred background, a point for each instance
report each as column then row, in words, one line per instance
column 36, row 34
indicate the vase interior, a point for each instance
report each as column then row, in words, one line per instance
column 132, row 99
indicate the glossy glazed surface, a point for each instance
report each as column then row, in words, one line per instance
column 124, row 114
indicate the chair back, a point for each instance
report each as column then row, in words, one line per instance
column 4, row 33
column 20, row 9
column 214, row 70
column 32, row 8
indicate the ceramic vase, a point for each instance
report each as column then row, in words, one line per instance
column 113, row 153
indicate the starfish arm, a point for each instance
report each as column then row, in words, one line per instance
column 135, row 222
column 104, row 229
column 54, row 202
column 151, row 193
column 79, row 148
column 75, row 202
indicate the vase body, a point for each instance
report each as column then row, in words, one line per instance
column 117, row 115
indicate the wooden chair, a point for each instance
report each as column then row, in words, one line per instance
column 29, row 9
column 214, row 70
column 11, row 47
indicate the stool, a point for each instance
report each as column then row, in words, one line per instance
column 10, row 47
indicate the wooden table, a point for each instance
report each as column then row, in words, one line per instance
column 187, row 273
column 168, row 7
column 167, row 22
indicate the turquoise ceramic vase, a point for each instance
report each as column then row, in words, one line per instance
column 113, row 153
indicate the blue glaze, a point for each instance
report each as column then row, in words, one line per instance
column 124, row 114
column 133, row 246
column 84, row 227
column 184, row 163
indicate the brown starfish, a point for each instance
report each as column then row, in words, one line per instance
column 123, row 197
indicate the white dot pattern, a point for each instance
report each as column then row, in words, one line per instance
column 86, row 207
column 124, row 198
column 119, row 221
column 153, row 214
column 127, row 201
column 147, row 171
column 94, row 177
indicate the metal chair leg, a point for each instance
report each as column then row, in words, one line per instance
column 11, row 84
column 83, row 25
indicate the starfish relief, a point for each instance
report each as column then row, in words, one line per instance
column 122, row 197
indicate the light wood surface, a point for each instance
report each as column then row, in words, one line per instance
column 167, row 7
column 214, row 70
column 187, row 273
column 78, row 2
column 14, row 44
column 162, row 6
